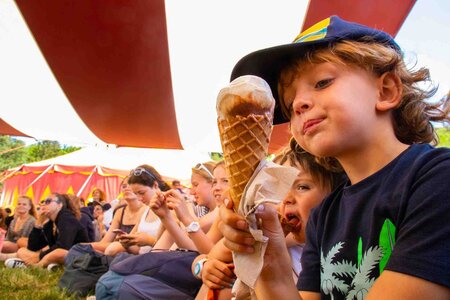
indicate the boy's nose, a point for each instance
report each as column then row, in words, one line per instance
column 301, row 104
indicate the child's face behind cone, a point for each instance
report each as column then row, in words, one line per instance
column 333, row 109
column 305, row 194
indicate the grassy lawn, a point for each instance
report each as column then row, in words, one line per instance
column 30, row 283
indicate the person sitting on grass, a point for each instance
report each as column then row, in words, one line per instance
column 125, row 218
column 21, row 226
column 99, row 227
column 49, row 242
column 143, row 182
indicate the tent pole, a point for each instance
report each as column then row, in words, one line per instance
column 86, row 182
column 40, row 176
column 2, row 179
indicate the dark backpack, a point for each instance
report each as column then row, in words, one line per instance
column 83, row 267
column 173, row 268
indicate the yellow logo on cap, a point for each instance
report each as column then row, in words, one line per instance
column 316, row 32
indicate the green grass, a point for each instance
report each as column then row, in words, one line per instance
column 30, row 283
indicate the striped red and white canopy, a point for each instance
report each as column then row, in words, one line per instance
column 145, row 73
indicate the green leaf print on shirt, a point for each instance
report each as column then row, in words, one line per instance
column 355, row 281
column 386, row 242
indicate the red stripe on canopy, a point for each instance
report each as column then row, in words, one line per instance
column 7, row 129
column 111, row 60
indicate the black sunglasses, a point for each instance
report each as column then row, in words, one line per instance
column 48, row 201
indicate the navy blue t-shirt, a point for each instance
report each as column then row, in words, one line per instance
column 396, row 219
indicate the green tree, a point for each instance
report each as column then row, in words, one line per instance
column 43, row 150
column 13, row 152
column 216, row 156
column 47, row 149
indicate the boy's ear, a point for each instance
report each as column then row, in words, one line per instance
column 391, row 88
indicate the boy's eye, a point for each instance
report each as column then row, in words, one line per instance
column 323, row 83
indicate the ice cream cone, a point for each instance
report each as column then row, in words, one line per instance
column 244, row 133
column 245, row 141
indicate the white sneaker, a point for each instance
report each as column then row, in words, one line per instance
column 53, row 267
column 14, row 263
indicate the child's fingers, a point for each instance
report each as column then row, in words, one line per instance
column 238, row 247
column 215, row 282
column 230, row 218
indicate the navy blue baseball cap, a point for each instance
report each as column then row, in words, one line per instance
column 267, row 63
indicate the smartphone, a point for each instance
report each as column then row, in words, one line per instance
column 119, row 231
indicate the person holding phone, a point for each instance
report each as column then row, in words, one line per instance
column 144, row 181
column 125, row 218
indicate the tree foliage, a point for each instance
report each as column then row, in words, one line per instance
column 216, row 156
column 20, row 154
column 10, row 159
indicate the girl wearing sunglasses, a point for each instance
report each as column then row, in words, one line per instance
column 49, row 243
column 143, row 182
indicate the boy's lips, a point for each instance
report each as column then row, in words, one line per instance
column 309, row 124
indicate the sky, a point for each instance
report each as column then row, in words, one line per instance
column 424, row 37
column 201, row 55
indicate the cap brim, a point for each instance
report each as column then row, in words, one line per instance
column 267, row 64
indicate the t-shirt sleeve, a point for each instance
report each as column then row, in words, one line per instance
column 309, row 278
column 422, row 247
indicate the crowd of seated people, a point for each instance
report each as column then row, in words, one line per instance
column 155, row 217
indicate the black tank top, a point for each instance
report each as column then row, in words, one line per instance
column 126, row 228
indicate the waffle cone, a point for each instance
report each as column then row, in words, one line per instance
column 245, row 142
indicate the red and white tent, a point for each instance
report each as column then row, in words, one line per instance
column 102, row 167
